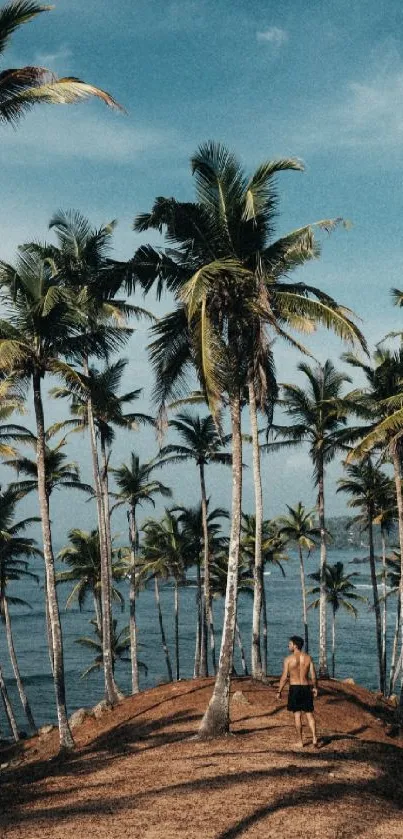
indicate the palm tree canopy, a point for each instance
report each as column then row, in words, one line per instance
column 225, row 269
column 340, row 589
column 22, row 88
column 200, row 441
column 298, row 527
column 135, row 482
column 15, row 548
column 58, row 473
column 273, row 543
column 370, row 490
column 83, row 557
column 165, row 548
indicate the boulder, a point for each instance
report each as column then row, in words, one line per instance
column 77, row 718
column 348, row 681
column 394, row 700
column 46, row 729
column 240, row 697
column 101, row 709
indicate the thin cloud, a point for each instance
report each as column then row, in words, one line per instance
column 273, row 35
column 50, row 59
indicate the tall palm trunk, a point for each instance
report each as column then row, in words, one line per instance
column 48, row 629
column 377, row 608
column 256, row 657
column 111, row 692
column 163, row 636
column 212, row 636
column 393, row 660
column 333, row 643
column 132, row 601
column 265, row 630
column 98, row 611
column 66, row 740
column 384, row 607
column 323, row 668
column 216, row 717
column 105, row 500
column 206, row 580
column 13, row 658
column 196, row 668
column 177, row 668
column 303, row 593
column 398, row 483
column 8, row 708
column 241, row 649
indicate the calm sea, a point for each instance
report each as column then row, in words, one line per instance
column 355, row 654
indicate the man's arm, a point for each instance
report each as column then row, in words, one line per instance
column 313, row 678
column 284, row 678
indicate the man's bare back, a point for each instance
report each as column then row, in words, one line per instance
column 299, row 668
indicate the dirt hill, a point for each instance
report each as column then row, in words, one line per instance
column 137, row 772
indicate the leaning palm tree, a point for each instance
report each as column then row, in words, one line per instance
column 319, row 413
column 38, row 331
column 386, row 517
column 298, row 529
column 15, row 550
column 393, row 576
column 136, row 487
column 225, row 276
column 202, row 444
column 24, row 87
column 82, row 556
column 339, row 594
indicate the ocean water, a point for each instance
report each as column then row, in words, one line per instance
column 355, row 640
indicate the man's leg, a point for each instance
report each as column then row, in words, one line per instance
column 298, row 727
column 312, row 725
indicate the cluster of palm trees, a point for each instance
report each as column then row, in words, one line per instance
column 66, row 309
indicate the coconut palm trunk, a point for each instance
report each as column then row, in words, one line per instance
column 66, row 740
column 384, row 607
column 98, row 611
column 162, row 631
column 323, row 667
column 241, row 649
column 377, row 608
column 212, row 637
column 48, row 629
column 8, row 708
column 14, row 662
column 256, row 657
column 132, row 601
column 265, row 628
column 105, row 498
column 303, row 593
column 196, row 668
column 206, row 579
column 111, row 692
column 176, row 597
column 393, row 660
column 216, row 717
column 333, row 643
column 396, row 455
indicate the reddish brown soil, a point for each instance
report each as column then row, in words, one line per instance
column 137, row 772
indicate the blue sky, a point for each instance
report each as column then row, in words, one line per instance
column 322, row 81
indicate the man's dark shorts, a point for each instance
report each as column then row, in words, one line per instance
column 300, row 698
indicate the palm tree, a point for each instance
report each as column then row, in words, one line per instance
column 339, row 594
column 381, row 404
column 191, row 521
column 120, row 646
column 272, row 553
column 386, row 514
column 22, row 88
column 40, row 327
column 320, row 414
column 224, row 273
column 165, row 552
column 15, row 549
column 136, row 486
column 83, row 557
column 58, row 473
column 393, row 572
column 218, row 589
column 85, row 269
column 200, row 443
column 298, row 529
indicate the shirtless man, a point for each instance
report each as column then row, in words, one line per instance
column 299, row 669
